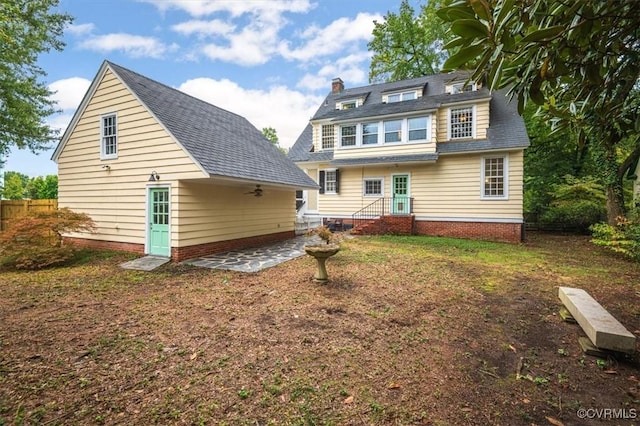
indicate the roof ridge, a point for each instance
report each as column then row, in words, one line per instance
column 405, row 80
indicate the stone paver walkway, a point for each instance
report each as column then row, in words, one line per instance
column 255, row 259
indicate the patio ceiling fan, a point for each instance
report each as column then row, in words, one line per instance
column 256, row 192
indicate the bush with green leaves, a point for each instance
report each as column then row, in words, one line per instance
column 577, row 204
column 623, row 237
column 35, row 241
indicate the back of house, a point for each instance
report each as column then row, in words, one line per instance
column 435, row 155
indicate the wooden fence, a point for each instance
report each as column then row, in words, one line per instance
column 13, row 209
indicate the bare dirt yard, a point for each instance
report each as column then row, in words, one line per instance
column 409, row 331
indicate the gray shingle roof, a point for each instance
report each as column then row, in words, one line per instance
column 225, row 144
column 506, row 131
column 417, row 158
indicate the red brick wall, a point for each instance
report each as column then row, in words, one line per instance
column 178, row 254
column 396, row 225
column 104, row 245
column 505, row 232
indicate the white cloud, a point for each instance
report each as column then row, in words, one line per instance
column 313, row 82
column 338, row 36
column 60, row 122
column 80, row 29
column 68, row 93
column 214, row 27
column 352, row 69
column 133, row 45
column 235, row 8
column 288, row 111
column 254, row 45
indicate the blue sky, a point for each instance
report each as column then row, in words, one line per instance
column 271, row 61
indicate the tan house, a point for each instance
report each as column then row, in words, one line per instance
column 163, row 173
column 431, row 155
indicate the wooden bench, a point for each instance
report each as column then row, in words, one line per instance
column 604, row 331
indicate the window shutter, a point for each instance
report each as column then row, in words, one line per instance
column 321, row 181
column 337, row 181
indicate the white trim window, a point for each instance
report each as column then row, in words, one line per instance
column 330, row 181
column 370, row 133
column 373, row 187
column 348, row 135
column 403, row 96
column 328, row 136
column 392, row 131
column 461, row 122
column 108, row 136
column 417, row 128
column 462, row 86
column 494, row 177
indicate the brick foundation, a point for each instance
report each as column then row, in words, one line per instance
column 491, row 231
column 178, row 254
column 104, row 245
column 390, row 224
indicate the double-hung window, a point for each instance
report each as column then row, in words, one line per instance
column 370, row 133
column 330, row 179
column 348, row 135
column 108, row 136
column 393, row 131
column 328, row 136
column 461, row 123
column 494, row 177
column 373, row 187
column 417, row 128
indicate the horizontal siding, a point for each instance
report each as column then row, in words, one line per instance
column 449, row 188
column 211, row 213
column 116, row 198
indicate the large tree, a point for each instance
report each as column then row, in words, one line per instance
column 43, row 188
column 27, row 28
column 405, row 45
column 15, row 185
column 578, row 60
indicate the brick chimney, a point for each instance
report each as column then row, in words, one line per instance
column 337, row 85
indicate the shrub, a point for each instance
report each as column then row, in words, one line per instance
column 576, row 215
column 35, row 241
column 577, row 204
column 623, row 237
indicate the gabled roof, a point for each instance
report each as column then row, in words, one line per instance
column 221, row 143
column 506, row 127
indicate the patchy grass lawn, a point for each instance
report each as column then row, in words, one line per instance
column 410, row 330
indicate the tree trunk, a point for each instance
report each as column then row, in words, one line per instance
column 615, row 203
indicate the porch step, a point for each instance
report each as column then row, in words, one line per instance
column 366, row 228
column 604, row 331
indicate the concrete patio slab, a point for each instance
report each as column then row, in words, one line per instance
column 147, row 263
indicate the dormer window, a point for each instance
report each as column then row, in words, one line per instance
column 403, row 96
column 461, row 87
column 348, row 104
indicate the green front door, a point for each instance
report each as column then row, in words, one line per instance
column 159, row 222
column 400, row 191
